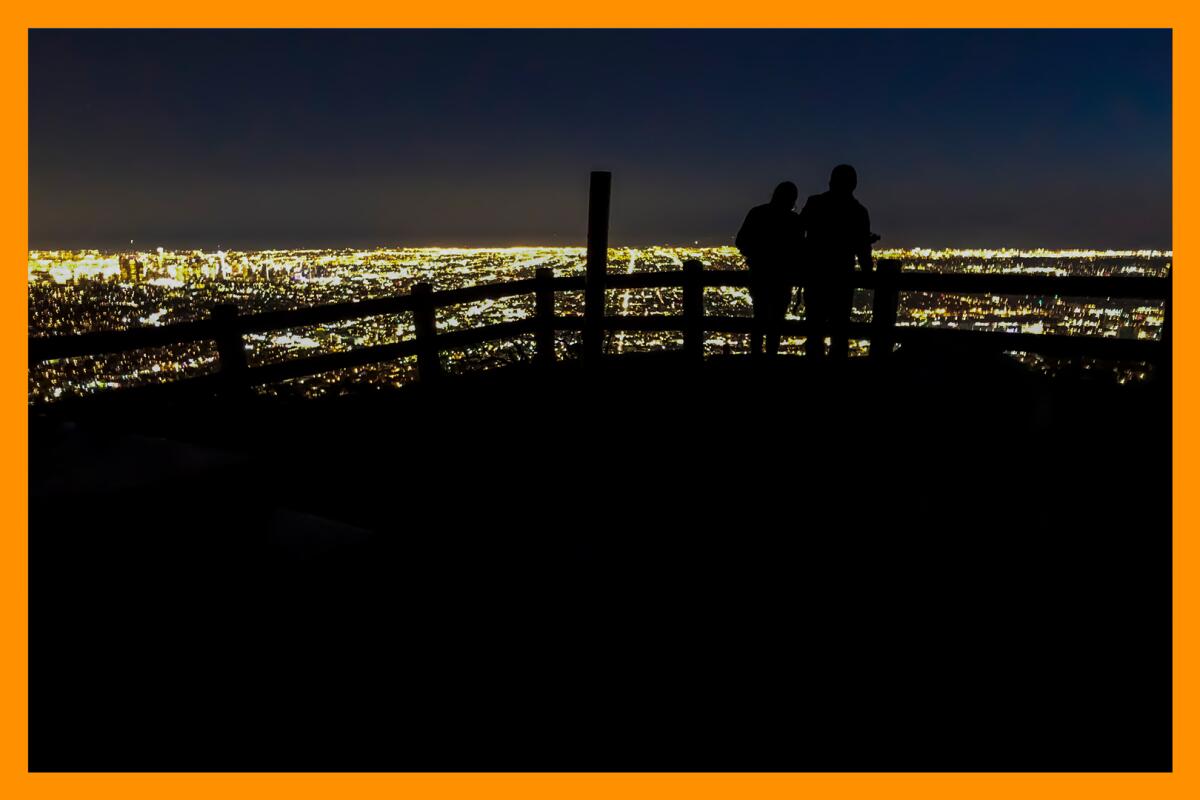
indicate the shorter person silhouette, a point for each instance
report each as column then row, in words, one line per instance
column 770, row 240
column 837, row 231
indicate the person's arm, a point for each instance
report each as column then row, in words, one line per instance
column 864, row 243
column 803, row 220
column 747, row 236
column 805, row 217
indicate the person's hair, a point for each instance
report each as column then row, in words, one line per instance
column 785, row 195
column 843, row 178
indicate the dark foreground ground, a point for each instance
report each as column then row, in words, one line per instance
column 943, row 566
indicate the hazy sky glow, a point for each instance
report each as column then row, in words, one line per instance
column 249, row 139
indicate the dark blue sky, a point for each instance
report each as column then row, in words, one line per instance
column 361, row 138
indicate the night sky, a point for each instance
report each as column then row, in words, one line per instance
column 250, row 139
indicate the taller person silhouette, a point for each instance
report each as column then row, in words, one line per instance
column 770, row 240
column 837, row 231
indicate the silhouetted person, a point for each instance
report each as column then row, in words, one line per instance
column 837, row 231
column 770, row 239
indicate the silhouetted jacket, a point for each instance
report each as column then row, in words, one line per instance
column 771, row 240
column 837, row 229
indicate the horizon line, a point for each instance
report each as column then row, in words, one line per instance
column 1168, row 251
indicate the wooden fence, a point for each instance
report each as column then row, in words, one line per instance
column 228, row 328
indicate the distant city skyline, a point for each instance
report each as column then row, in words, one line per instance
column 90, row 294
column 248, row 140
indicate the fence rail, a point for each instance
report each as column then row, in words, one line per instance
column 228, row 328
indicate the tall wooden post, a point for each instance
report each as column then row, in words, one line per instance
column 597, row 265
column 693, row 311
column 883, row 308
column 1166, row 365
column 230, row 347
column 429, row 366
column 544, row 314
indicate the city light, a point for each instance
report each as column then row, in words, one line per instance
column 86, row 291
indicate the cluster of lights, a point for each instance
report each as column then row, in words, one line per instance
column 82, row 291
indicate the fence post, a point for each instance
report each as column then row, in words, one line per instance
column 693, row 310
column 231, row 349
column 544, row 314
column 1165, row 364
column 597, row 265
column 883, row 309
column 429, row 366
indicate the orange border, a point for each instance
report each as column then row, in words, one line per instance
column 17, row 783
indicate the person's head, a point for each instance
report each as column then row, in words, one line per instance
column 785, row 195
column 843, row 179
